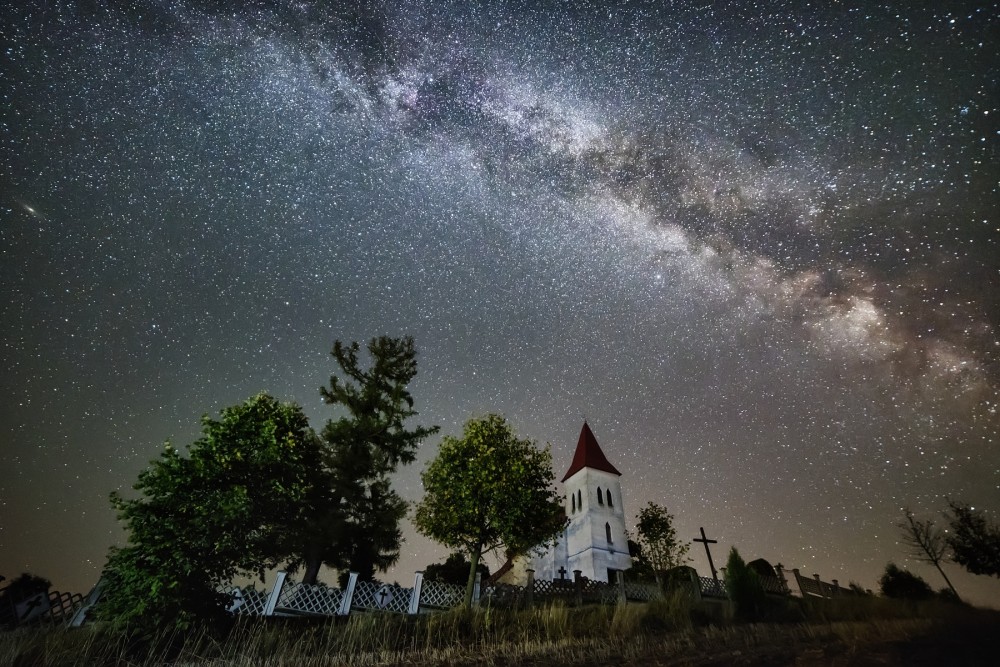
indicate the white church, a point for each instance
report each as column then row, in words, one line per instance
column 594, row 541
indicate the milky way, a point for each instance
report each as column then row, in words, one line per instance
column 757, row 246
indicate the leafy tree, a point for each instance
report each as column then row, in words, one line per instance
column 857, row 588
column 927, row 543
column 489, row 490
column 353, row 521
column 200, row 520
column 744, row 587
column 658, row 543
column 454, row 570
column 974, row 541
column 641, row 570
column 903, row 585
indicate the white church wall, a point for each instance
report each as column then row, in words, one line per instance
column 587, row 534
column 584, row 544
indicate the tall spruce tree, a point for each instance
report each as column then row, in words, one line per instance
column 353, row 523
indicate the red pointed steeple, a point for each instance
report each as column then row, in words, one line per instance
column 589, row 455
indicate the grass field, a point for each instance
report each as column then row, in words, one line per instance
column 866, row 631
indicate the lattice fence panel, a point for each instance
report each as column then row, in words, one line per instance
column 441, row 595
column 246, row 601
column 316, row 599
column 641, row 592
column 711, row 588
column 599, row 591
column 559, row 589
column 62, row 605
column 503, row 595
column 811, row 587
column 824, row 589
column 372, row 595
column 773, row 585
column 689, row 588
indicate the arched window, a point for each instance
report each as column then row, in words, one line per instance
column 611, row 503
column 600, row 497
column 573, row 498
column 607, row 529
column 579, row 499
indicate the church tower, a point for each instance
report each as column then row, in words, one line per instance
column 595, row 541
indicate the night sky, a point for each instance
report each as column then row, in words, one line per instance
column 756, row 245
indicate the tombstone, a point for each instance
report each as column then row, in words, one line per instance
column 384, row 596
column 770, row 577
column 762, row 568
column 237, row 601
column 680, row 575
column 32, row 607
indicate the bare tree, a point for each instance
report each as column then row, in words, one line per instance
column 927, row 543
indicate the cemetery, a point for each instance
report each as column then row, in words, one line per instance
column 577, row 598
column 516, row 585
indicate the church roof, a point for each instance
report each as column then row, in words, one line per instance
column 589, row 455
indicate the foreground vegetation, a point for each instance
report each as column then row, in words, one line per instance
column 832, row 632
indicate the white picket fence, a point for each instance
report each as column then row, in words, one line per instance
column 290, row 598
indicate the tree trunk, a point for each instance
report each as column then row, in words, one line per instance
column 313, row 561
column 947, row 581
column 470, row 587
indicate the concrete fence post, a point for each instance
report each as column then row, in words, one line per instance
column 695, row 585
column 529, row 590
column 799, row 580
column 345, row 602
column 272, row 599
column 578, row 587
column 781, row 577
column 819, row 586
column 418, row 584
column 620, row 584
column 80, row 617
column 477, row 588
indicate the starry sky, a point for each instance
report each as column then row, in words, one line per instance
column 756, row 245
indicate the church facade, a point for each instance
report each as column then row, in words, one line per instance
column 594, row 541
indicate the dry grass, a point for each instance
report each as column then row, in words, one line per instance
column 841, row 632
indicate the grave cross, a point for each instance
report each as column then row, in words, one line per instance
column 704, row 540
column 383, row 594
column 562, row 573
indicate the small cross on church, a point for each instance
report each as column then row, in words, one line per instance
column 594, row 540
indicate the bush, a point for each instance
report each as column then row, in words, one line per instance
column 744, row 587
column 903, row 585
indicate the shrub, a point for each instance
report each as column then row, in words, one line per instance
column 903, row 585
column 744, row 587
